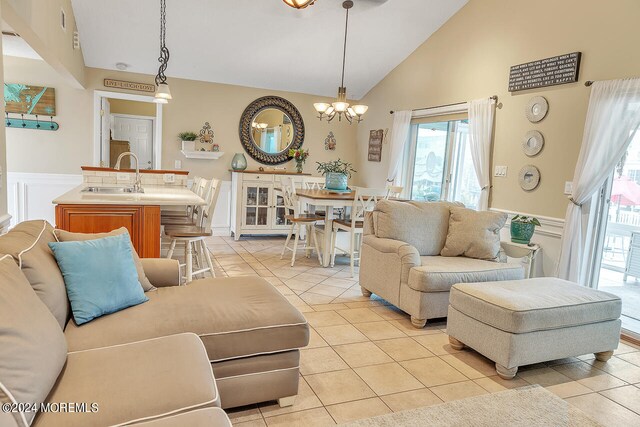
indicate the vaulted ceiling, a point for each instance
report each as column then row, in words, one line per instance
column 261, row 43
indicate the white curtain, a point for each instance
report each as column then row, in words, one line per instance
column 399, row 135
column 612, row 120
column 481, row 112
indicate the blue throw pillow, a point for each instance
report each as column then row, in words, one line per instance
column 100, row 276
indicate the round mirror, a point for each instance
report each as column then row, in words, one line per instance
column 272, row 130
column 269, row 127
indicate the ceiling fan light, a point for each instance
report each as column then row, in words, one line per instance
column 360, row 109
column 299, row 4
column 163, row 91
column 340, row 107
column 321, row 107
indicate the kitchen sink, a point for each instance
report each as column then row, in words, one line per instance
column 111, row 190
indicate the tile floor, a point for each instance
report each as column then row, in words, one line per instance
column 365, row 358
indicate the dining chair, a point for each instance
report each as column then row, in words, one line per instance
column 394, row 191
column 190, row 216
column 299, row 221
column 364, row 200
column 182, row 212
column 314, row 183
column 193, row 235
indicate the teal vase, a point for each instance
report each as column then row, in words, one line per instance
column 521, row 232
column 336, row 181
column 239, row 162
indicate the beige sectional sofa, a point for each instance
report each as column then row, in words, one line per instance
column 173, row 360
column 401, row 259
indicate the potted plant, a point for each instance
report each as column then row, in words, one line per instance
column 522, row 228
column 336, row 173
column 188, row 139
column 300, row 156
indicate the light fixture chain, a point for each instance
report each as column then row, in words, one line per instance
column 164, row 52
column 344, row 50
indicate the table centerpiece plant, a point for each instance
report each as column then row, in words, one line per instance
column 300, row 156
column 522, row 228
column 336, row 173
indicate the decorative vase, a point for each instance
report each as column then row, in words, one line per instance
column 336, row 181
column 299, row 166
column 239, row 162
column 521, row 232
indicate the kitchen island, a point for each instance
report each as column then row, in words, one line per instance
column 109, row 207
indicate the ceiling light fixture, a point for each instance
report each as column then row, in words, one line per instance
column 163, row 94
column 341, row 107
column 299, row 4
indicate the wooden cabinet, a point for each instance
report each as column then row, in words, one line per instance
column 256, row 206
column 143, row 223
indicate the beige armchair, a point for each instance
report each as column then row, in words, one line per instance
column 401, row 259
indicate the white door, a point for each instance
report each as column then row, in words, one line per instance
column 139, row 133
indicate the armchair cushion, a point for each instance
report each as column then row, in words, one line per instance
column 474, row 234
column 423, row 225
column 438, row 274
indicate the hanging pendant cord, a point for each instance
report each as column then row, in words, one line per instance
column 164, row 52
column 344, row 50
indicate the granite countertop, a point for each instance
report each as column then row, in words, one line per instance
column 154, row 195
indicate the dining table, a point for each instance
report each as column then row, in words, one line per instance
column 326, row 200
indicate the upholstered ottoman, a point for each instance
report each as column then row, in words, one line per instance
column 521, row 322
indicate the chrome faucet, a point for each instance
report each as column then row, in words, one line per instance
column 137, row 185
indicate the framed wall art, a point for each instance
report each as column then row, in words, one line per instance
column 375, row 145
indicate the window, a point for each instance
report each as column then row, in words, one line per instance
column 438, row 163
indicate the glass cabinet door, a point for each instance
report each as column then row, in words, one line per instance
column 256, row 205
column 279, row 220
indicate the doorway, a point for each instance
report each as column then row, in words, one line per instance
column 126, row 122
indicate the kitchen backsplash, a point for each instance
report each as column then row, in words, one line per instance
column 104, row 177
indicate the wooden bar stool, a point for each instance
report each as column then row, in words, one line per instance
column 193, row 236
column 191, row 215
column 298, row 222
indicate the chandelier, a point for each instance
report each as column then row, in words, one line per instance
column 299, row 4
column 163, row 94
column 341, row 107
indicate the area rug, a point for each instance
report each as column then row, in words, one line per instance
column 527, row 406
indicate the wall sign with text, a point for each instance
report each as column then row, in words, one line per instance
column 553, row 71
column 120, row 84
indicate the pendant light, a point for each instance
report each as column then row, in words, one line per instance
column 299, row 4
column 341, row 107
column 163, row 94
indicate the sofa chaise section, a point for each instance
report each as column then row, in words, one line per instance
column 251, row 332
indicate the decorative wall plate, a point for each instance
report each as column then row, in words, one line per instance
column 529, row 177
column 536, row 109
column 532, row 143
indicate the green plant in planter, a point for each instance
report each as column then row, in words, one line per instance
column 522, row 228
column 337, row 173
column 187, row 136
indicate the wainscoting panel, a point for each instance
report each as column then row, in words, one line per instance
column 30, row 194
column 548, row 236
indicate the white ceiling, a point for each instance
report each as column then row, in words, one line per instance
column 261, row 43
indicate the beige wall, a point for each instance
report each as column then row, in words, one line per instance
column 193, row 103
column 134, row 108
column 61, row 151
column 3, row 150
column 38, row 22
column 469, row 58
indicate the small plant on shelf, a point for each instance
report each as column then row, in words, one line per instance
column 522, row 228
column 300, row 156
column 337, row 173
column 187, row 136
